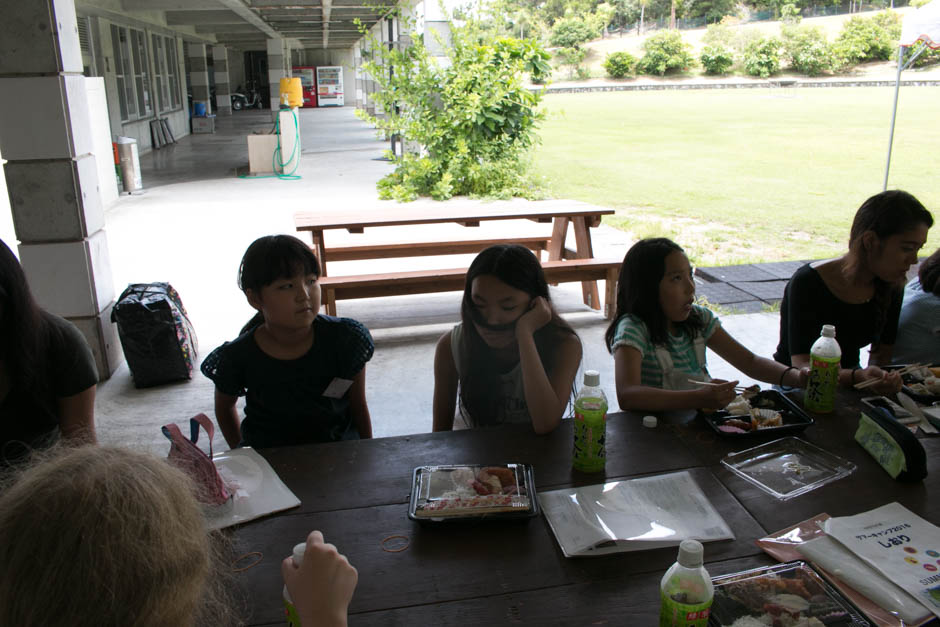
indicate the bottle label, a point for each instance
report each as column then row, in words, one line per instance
column 293, row 619
column 590, row 449
column 821, row 386
column 677, row 614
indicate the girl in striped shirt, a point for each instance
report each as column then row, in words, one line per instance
column 659, row 335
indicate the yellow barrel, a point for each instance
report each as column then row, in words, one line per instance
column 294, row 91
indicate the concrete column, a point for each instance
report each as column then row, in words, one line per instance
column 277, row 69
column 199, row 74
column 223, row 86
column 51, row 174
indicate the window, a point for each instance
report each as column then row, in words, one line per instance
column 131, row 67
column 141, row 75
column 165, row 72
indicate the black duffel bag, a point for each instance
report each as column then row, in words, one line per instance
column 158, row 340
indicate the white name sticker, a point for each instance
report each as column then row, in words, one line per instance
column 337, row 388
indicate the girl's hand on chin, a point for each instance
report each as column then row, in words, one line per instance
column 538, row 316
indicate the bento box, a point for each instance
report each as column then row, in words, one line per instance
column 473, row 492
column 770, row 414
column 786, row 594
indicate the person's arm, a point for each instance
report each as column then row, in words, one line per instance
column 358, row 407
column 632, row 395
column 546, row 396
column 322, row 586
column 77, row 416
column 226, row 414
column 445, row 385
column 754, row 366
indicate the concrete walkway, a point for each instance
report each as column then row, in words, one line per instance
column 195, row 217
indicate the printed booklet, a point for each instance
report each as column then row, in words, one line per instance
column 632, row 515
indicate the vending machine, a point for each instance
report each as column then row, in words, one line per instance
column 308, row 83
column 330, row 86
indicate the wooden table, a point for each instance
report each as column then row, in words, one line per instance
column 491, row 574
column 560, row 213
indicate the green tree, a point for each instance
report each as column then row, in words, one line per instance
column 475, row 120
column 665, row 52
column 571, row 32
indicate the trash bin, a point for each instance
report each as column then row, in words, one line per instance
column 130, row 164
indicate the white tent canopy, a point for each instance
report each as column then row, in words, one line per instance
column 919, row 30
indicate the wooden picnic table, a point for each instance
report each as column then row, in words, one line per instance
column 581, row 216
column 357, row 493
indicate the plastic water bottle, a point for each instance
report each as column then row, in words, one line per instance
column 590, row 425
column 293, row 619
column 686, row 589
column 824, row 357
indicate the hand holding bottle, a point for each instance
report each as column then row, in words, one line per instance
column 322, row 586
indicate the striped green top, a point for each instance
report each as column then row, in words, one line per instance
column 631, row 331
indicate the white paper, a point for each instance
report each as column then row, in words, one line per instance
column 256, row 489
column 850, row 569
column 901, row 545
column 632, row 515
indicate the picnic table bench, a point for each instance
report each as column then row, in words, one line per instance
column 564, row 264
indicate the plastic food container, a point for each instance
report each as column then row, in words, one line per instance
column 785, row 594
column 793, row 418
column 788, row 467
column 473, row 492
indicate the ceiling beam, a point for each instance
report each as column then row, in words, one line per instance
column 225, row 28
column 168, row 5
column 222, row 16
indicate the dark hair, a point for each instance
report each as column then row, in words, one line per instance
column 517, row 267
column 24, row 331
column 885, row 214
column 929, row 273
column 638, row 290
column 270, row 258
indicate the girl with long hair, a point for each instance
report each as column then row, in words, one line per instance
column 47, row 371
column 512, row 359
column 659, row 335
column 859, row 292
column 303, row 373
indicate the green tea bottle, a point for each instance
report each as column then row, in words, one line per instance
column 686, row 589
column 293, row 619
column 824, row 358
column 590, row 425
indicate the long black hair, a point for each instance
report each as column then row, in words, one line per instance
column 24, row 331
column 517, row 267
column 884, row 214
column 641, row 273
column 270, row 258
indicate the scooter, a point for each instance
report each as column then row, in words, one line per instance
column 241, row 101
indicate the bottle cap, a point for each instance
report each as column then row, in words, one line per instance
column 828, row 330
column 592, row 378
column 691, row 553
column 298, row 555
column 649, row 421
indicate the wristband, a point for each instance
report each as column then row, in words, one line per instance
column 784, row 375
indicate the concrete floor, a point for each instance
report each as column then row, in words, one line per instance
column 195, row 217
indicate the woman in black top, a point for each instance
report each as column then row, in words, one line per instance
column 47, row 371
column 859, row 292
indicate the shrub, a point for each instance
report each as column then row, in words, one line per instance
column 620, row 65
column 716, row 59
column 572, row 57
column 744, row 37
column 571, row 32
column 718, row 35
column 867, row 39
column 474, row 118
column 807, row 49
column 762, row 57
column 664, row 52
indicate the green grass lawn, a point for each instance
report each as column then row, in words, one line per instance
column 741, row 175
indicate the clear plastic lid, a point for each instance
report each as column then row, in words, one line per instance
column 788, row 467
column 473, row 491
